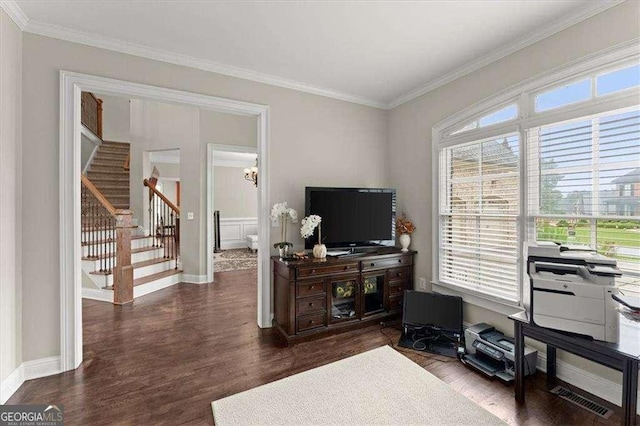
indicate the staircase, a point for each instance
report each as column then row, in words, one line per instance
column 150, row 262
column 109, row 172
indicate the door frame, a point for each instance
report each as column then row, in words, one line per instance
column 71, row 86
column 211, row 149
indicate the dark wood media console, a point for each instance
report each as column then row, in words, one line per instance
column 315, row 297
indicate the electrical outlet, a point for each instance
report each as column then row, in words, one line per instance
column 422, row 283
column 190, row 215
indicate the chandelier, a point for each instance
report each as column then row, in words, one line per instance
column 252, row 174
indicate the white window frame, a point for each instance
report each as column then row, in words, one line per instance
column 524, row 94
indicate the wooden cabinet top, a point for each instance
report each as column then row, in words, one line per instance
column 381, row 253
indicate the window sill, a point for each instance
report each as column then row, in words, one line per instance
column 505, row 308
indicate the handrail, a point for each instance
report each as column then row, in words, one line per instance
column 96, row 193
column 162, row 197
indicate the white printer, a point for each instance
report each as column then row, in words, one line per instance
column 570, row 289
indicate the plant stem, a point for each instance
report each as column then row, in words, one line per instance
column 319, row 233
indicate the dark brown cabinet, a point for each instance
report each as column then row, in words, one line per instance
column 319, row 296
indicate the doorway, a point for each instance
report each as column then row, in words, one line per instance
column 71, row 86
column 231, row 196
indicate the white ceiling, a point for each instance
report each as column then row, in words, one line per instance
column 374, row 53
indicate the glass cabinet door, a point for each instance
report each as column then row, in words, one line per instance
column 344, row 299
column 372, row 294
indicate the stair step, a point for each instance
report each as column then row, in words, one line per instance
column 138, row 265
column 142, row 269
column 133, row 237
column 112, row 179
column 116, row 144
column 133, row 251
column 107, row 169
column 156, row 276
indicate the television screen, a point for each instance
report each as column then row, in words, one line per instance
column 352, row 216
column 432, row 309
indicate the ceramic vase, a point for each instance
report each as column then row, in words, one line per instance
column 405, row 240
column 283, row 251
column 319, row 251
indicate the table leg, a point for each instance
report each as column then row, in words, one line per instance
column 519, row 361
column 629, row 391
column 551, row 367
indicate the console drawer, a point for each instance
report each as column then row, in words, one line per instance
column 311, row 304
column 386, row 263
column 395, row 302
column 399, row 273
column 309, row 322
column 327, row 270
column 397, row 287
column 310, row 288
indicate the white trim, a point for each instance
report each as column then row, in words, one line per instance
column 97, row 294
column 71, row 86
column 11, row 384
column 63, row 33
column 504, row 308
column 241, row 238
column 102, row 42
column 15, row 13
column 211, row 149
column 42, row 367
column 585, row 13
column 195, row 279
column 93, row 138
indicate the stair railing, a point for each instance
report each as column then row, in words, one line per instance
column 105, row 230
column 91, row 113
column 164, row 223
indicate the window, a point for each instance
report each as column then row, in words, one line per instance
column 579, row 177
column 479, row 210
column 566, row 170
column 500, row 116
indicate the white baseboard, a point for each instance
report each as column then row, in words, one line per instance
column 29, row 370
column 97, row 294
column 233, row 244
column 42, row 367
column 194, row 279
column 11, row 384
column 583, row 379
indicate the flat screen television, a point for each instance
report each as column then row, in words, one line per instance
column 352, row 217
column 435, row 310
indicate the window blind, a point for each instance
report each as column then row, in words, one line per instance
column 583, row 185
column 479, row 208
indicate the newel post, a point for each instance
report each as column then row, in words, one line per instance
column 123, row 272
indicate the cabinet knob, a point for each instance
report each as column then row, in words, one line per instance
column 313, row 271
column 312, row 322
column 312, row 287
column 399, row 274
column 311, row 304
column 373, row 264
column 347, row 267
column 399, row 260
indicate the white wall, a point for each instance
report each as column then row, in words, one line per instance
column 233, row 195
column 169, row 188
column 115, row 118
column 308, row 133
column 410, row 127
column 11, row 196
column 226, row 129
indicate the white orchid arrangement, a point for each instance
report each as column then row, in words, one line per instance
column 281, row 213
column 309, row 225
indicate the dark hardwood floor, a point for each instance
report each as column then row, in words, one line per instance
column 163, row 359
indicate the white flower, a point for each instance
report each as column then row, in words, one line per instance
column 294, row 215
column 309, row 225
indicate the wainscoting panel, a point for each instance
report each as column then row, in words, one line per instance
column 233, row 231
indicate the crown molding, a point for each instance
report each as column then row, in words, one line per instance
column 48, row 30
column 102, row 42
column 15, row 13
column 518, row 44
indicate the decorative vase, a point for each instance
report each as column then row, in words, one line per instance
column 283, row 251
column 405, row 240
column 319, row 251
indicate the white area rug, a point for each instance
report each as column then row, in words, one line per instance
column 380, row 386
